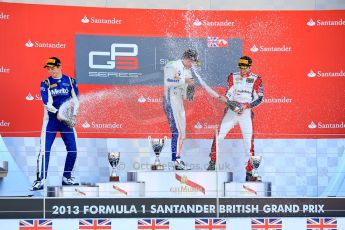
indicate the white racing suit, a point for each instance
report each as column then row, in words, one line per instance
column 174, row 93
column 248, row 90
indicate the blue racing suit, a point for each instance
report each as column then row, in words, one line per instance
column 54, row 93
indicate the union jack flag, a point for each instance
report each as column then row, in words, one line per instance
column 212, row 42
column 153, row 224
column 35, row 225
column 321, row 224
column 210, row 224
column 94, row 224
column 217, row 42
column 267, row 224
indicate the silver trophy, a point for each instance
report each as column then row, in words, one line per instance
column 114, row 158
column 157, row 146
column 255, row 162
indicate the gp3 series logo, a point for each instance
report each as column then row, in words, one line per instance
column 122, row 57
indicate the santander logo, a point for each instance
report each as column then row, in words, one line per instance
column 318, row 22
column 4, row 16
column 85, row 20
column 312, row 125
column 311, row 73
column 94, row 20
column 39, row 44
column 29, row 44
column 86, row 125
column 4, row 123
column 278, row 100
column 282, row 48
column 4, row 69
column 321, row 73
column 95, row 125
column 225, row 23
column 254, row 49
column 29, row 97
column 205, row 125
column 198, row 125
column 222, row 43
column 150, row 99
column 197, row 23
column 322, row 125
column 141, row 99
column 311, row 23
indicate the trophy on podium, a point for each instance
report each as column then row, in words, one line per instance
column 114, row 158
column 157, row 146
column 255, row 162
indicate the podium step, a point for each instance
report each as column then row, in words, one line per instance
column 121, row 189
column 108, row 189
column 78, row 191
column 181, row 183
column 248, row 189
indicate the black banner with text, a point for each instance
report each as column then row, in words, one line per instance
column 171, row 207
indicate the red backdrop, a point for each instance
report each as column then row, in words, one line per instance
column 304, row 100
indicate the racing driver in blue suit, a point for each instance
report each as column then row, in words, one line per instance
column 55, row 90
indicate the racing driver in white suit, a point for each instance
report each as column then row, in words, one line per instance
column 178, row 86
column 245, row 91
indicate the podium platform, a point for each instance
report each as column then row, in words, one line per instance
column 248, row 189
column 108, row 189
column 121, row 189
column 78, row 191
column 181, row 183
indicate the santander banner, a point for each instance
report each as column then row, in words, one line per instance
column 117, row 56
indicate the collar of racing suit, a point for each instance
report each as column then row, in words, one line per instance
column 246, row 75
